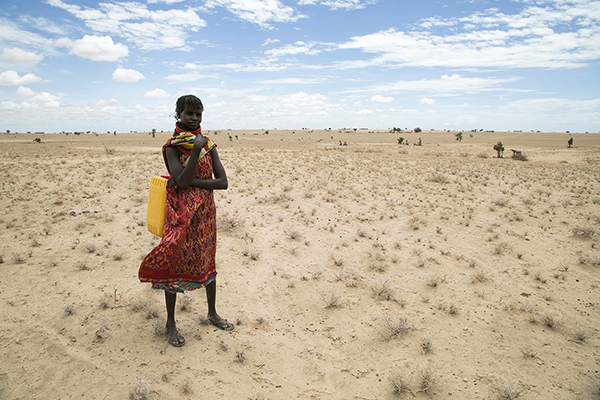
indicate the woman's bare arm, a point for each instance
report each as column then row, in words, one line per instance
column 220, row 177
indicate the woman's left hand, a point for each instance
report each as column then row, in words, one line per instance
column 171, row 182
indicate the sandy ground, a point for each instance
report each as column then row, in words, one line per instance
column 353, row 268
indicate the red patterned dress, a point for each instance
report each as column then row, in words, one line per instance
column 185, row 257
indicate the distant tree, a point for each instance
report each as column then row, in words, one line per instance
column 400, row 139
column 570, row 143
column 417, row 129
column 458, row 136
column 499, row 149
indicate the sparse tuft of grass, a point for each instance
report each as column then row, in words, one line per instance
column 550, row 320
column 223, row 344
column 105, row 301
column 18, row 258
column 147, row 305
column 141, row 390
column 426, row 376
column 185, row 301
column 186, row 387
column 402, row 382
column 229, row 223
column 393, row 327
column 435, row 280
column 240, row 357
column 383, row 288
column 529, row 352
column 69, row 309
column 80, row 265
column 426, row 345
column 506, row 389
column 579, row 335
column 480, row 276
column 501, row 248
column 337, row 261
column 332, row 300
column 585, row 231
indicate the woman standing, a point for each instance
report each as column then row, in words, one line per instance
column 185, row 258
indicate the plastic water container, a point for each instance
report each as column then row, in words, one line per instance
column 157, row 199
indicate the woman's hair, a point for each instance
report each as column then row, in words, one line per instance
column 189, row 100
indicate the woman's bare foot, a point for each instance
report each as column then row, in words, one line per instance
column 220, row 323
column 174, row 337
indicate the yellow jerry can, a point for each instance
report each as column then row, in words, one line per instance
column 157, row 199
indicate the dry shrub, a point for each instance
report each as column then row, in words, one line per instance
column 506, row 389
column 332, row 300
column 391, row 327
column 584, row 231
column 185, row 301
column 520, row 157
column 480, row 276
column 402, row 382
column 439, row 178
column 141, row 390
column 229, row 223
column 420, row 378
column 383, row 288
column 427, row 374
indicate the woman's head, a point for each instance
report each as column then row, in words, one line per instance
column 188, row 101
column 188, row 111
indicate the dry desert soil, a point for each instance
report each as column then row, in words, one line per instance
column 353, row 268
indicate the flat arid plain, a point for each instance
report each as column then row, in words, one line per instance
column 353, row 268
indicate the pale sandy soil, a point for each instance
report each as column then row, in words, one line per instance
column 341, row 265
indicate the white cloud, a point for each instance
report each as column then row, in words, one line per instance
column 427, row 100
column 126, row 75
column 14, row 55
column 447, row 85
column 8, row 78
column 270, row 41
column 364, row 112
column 337, row 4
column 43, row 24
column 302, row 98
column 23, row 92
column 33, row 98
column 157, row 94
column 256, row 97
column 292, row 81
column 147, row 29
column 259, row 12
column 560, row 35
column 96, row 48
column 105, row 103
column 11, row 33
column 381, row 99
column 299, row 47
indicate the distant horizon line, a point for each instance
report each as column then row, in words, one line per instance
column 347, row 130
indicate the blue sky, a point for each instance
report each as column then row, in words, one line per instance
column 72, row 65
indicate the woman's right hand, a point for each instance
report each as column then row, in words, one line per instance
column 200, row 141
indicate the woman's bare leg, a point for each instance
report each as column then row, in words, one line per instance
column 213, row 317
column 173, row 335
